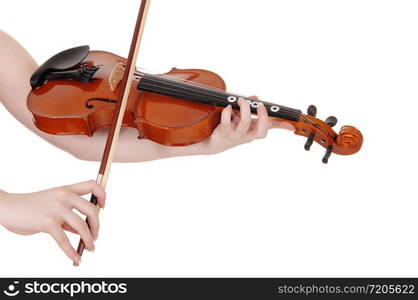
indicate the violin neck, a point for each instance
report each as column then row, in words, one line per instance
column 206, row 95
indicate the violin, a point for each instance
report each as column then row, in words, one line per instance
column 78, row 91
column 75, row 92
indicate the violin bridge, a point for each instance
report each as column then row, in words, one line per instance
column 116, row 76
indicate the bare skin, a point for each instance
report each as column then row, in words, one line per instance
column 51, row 211
column 235, row 129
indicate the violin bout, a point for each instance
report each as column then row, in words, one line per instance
column 76, row 91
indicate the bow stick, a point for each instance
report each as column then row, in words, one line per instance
column 114, row 131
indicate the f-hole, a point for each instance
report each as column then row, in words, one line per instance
column 89, row 104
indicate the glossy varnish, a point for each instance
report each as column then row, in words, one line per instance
column 60, row 107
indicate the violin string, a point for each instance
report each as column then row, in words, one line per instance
column 304, row 118
column 191, row 86
column 175, row 85
column 193, row 89
column 159, row 89
column 220, row 95
column 174, row 88
column 191, row 83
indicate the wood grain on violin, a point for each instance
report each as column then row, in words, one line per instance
column 179, row 108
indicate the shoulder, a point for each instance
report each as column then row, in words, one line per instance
column 8, row 45
column 4, row 37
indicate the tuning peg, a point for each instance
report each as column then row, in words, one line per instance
column 312, row 110
column 327, row 154
column 310, row 141
column 331, row 121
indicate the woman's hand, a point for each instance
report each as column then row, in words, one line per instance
column 51, row 211
column 238, row 128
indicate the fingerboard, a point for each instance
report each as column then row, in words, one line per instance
column 206, row 95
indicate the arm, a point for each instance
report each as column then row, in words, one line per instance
column 18, row 66
column 51, row 211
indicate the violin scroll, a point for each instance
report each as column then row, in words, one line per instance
column 179, row 108
column 349, row 141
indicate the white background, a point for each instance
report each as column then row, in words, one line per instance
column 264, row 209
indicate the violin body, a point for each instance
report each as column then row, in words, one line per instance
column 179, row 108
column 59, row 106
column 78, row 92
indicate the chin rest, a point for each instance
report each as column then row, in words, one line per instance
column 62, row 61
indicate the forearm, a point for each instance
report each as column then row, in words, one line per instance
column 3, row 200
column 17, row 68
column 130, row 148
